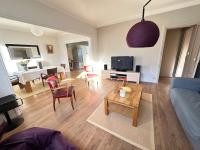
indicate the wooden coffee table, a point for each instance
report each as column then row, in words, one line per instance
column 130, row 101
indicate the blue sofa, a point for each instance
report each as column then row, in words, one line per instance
column 185, row 98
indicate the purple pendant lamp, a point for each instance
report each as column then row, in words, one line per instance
column 143, row 34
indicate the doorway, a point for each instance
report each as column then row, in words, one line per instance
column 178, row 52
column 78, row 55
column 171, row 47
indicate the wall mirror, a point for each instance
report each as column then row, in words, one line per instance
column 18, row 51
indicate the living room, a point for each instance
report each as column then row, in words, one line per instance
column 85, row 118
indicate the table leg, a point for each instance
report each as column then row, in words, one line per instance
column 62, row 76
column 7, row 117
column 135, row 116
column 21, row 86
column 28, row 87
column 106, row 106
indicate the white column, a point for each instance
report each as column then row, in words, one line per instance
column 5, row 85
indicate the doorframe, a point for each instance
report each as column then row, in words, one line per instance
column 165, row 28
column 89, row 48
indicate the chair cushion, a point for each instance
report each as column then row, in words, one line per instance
column 63, row 92
column 91, row 75
column 36, row 138
column 60, row 93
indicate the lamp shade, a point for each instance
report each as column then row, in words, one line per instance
column 37, row 31
column 143, row 34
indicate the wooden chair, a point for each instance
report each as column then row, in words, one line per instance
column 50, row 72
column 90, row 75
column 60, row 91
column 14, row 79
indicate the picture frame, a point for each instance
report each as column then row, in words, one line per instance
column 50, row 49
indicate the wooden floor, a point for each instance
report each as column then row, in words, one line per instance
column 38, row 111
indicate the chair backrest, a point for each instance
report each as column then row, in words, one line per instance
column 88, row 68
column 14, row 79
column 63, row 65
column 52, row 71
column 52, row 82
column 32, row 67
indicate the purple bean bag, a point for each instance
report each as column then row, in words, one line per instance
column 36, row 139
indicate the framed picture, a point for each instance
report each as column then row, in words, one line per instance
column 50, row 49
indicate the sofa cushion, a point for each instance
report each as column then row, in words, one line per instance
column 187, row 106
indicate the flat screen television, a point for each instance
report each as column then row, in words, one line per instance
column 122, row 63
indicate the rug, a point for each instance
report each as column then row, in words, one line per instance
column 37, row 88
column 120, row 126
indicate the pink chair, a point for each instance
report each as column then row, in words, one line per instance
column 60, row 91
column 90, row 75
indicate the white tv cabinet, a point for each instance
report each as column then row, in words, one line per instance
column 129, row 75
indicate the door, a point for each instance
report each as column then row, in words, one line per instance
column 183, row 52
column 80, row 57
column 192, row 57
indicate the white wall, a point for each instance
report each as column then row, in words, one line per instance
column 112, row 41
column 17, row 37
column 5, row 87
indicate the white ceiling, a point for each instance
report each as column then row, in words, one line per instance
column 25, row 27
column 105, row 12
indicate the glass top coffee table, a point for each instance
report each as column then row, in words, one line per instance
column 130, row 101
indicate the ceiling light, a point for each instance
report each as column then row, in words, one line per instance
column 143, row 34
column 37, row 31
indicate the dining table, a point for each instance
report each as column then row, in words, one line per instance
column 25, row 77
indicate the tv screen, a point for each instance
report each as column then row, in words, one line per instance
column 122, row 63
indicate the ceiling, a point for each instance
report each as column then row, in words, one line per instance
column 105, row 12
column 25, row 27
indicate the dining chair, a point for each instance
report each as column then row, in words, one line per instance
column 50, row 72
column 59, row 92
column 90, row 75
